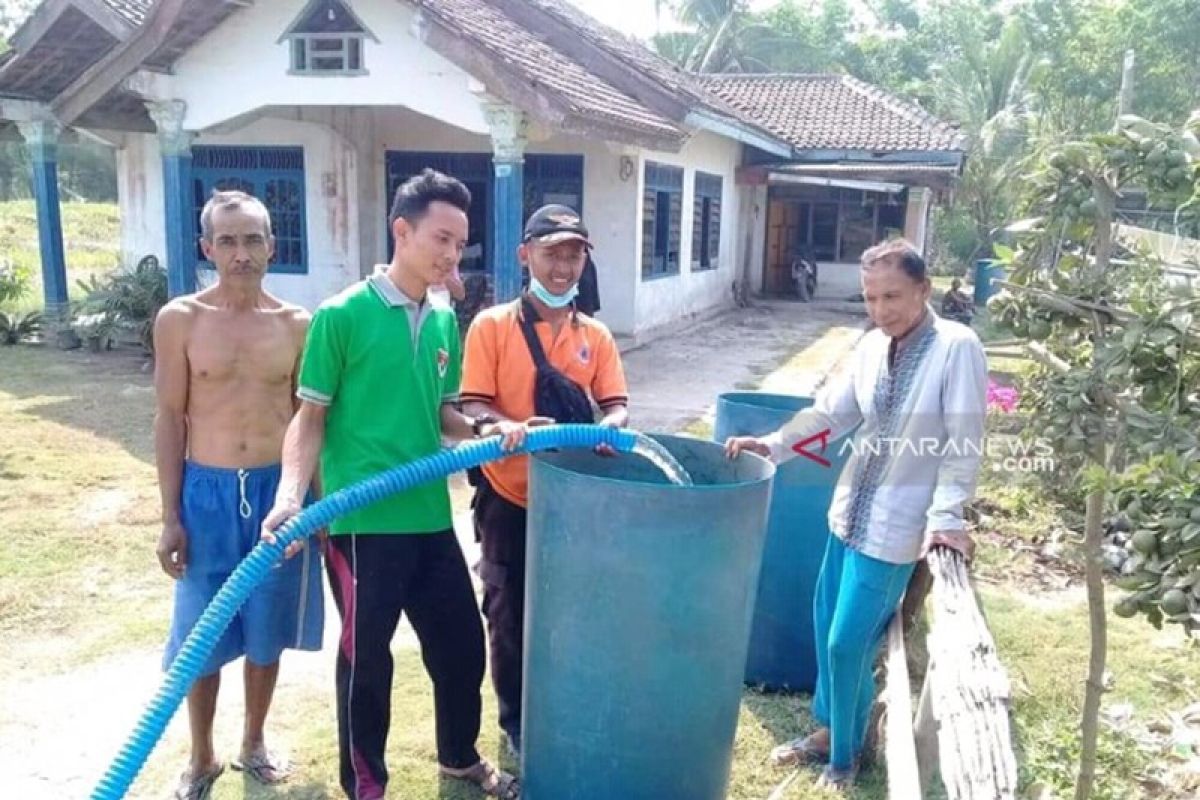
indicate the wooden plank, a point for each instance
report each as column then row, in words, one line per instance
column 904, row 781
column 38, row 25
column 106, row 74
column 120, row 28
column 970, row 692
column 925, row 733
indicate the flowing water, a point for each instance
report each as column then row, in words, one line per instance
column 660, row 457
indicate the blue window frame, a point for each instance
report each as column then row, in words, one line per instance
column 553, row 179
column 548, row 179
column 662, row 217
column 275, row 175
column 706, row 222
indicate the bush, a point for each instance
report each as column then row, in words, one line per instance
column 16, row 328
column 958, row 241
column 128, row 298
column 14, row 283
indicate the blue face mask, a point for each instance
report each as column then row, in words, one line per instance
column 552, row 300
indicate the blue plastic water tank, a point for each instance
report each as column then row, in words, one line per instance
column 782, row 643
column 986, row 270
column 637, row 618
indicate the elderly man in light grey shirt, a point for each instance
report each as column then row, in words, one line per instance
column 917, row 392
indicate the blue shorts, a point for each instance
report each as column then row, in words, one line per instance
column 222, row 511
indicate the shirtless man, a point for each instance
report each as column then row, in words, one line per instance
column 225, row 370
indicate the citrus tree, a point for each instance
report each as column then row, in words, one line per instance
column 1118, row 382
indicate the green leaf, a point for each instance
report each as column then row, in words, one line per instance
column 1161, row 336
column 1134, row 583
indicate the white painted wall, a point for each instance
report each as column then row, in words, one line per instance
column 611, row 213
column 752, row 222
column 662, row 301
column 331, row 203
column 916, row 217
column 240, row 67
column 140, row 197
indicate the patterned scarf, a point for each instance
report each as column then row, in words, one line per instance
column 891, row 395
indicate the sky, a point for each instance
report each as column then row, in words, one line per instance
column 636, row 17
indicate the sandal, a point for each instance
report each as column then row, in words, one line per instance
column 491, row 781
column 802, row 751
column 197, row 787
column 264, row 766
column 839, row 779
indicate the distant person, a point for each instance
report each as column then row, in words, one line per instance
column 588, row 300
column 957, row 305
column 450, row 291
column 225, row 363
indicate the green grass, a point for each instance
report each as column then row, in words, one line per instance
column 1045, row 647
column 306, row 726
column 699, row 428
column 91, row 233
column 78, row 505
column 78, row 583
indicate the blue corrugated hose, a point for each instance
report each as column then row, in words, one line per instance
column 216, row 618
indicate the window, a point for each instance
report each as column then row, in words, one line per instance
column 327, row 39
column 662, row 215
column 553, row 179
column 706, row 222
column 275, row 175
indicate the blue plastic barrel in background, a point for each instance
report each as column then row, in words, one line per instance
column 638, row 602
column 986, row 271
column 782, row 643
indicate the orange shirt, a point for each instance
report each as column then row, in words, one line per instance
column 498, row 370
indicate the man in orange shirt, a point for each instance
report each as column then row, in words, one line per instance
column 535, row 357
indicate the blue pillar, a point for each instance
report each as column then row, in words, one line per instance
column 508, row 198
column 41, row 137
column 175, row 145
column 181, row 228
column 508, row 126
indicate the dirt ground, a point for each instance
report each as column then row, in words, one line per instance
column 58, row 731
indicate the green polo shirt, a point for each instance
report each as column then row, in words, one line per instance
column 383, row 365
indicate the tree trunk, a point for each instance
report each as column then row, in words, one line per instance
column 1090, row 723
column 1093, row 527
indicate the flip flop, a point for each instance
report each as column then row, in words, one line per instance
column 491, row 781
column 264, row 766
column 197, row 787
column 839, row 779
column 799, row 752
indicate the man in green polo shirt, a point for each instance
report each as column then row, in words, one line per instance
column 378, row 388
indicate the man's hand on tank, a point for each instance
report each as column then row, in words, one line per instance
column 736, row 445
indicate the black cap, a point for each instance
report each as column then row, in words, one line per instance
column 555, row 223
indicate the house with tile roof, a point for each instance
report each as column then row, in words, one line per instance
column 322, row 107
